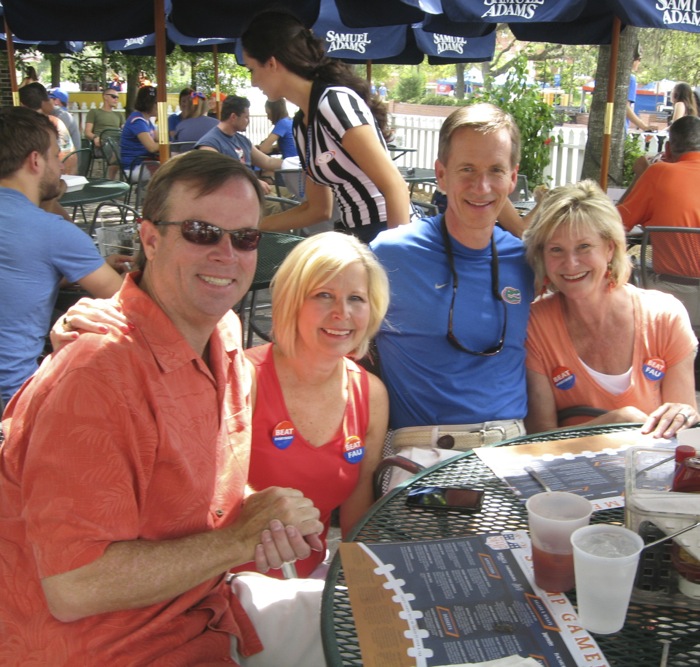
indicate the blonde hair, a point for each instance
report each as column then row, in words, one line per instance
column 583, row 206
column 311, row 264
column 193, row 106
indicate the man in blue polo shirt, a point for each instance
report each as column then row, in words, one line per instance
column 452, row 346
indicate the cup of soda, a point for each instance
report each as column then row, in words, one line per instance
column 552, row 517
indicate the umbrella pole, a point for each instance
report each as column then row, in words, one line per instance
column 11, row 64
column 162, row 88
column 610, row 106
column 369, row 72
column 215, row 60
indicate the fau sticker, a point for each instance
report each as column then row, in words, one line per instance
column 563, row 378
column 283, row 435
column 353, row 449
column 654, row 369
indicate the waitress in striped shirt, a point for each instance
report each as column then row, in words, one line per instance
column 338, row 130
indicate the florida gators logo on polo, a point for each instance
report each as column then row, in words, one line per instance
column 511, row 295
column 353, row 449
column 283, row 435
column 654, row 369
column 563, row 378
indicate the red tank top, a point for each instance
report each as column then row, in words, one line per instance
column 281, row 456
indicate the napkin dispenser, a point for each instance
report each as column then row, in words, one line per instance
column 653, row 511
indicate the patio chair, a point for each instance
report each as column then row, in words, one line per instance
column 115, row 228
column 645, row 263
column 98, row 154
column 81, row 160
column 274, row 247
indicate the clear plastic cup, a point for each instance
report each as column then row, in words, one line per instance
column 553, row 516
column 605, row 563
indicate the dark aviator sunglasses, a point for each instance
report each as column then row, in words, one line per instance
column 204, row 233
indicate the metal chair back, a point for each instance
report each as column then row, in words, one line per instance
column 645, row 265
column 83, row 158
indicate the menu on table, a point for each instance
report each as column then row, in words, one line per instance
column 592, row 467
column 459, row 600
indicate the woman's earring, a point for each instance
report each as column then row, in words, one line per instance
column 545, row 285
column 608, row 277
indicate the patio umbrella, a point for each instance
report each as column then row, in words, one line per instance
column 397, row 44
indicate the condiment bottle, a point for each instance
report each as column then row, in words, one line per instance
column 686, row 480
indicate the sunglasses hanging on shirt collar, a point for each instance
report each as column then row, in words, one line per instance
column 452, row 339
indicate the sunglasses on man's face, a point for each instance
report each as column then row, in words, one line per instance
column 114, row 97
column 204, row 233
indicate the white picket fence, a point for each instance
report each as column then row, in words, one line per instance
column 421, row 132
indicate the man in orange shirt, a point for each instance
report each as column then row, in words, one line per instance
column 123, row 473
column 667, row 195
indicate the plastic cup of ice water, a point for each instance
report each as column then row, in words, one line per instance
column 605, row 562
column 553, row 516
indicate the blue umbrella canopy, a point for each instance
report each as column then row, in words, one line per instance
column 146, row 44
column 659, row 14
column 229, row 18
column 396, row 44
column 89, row 20
column 46, row 47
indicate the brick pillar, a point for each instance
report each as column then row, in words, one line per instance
column 5, row 87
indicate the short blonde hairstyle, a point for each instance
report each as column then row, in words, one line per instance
column 312, row 263
column 584, row 206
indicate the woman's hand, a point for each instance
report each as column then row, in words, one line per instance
column 670, row 418
column 93, row 315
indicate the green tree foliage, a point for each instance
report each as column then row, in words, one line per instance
column 411, row 87
column 534, row 117
column 669, row 54
column 633, row 151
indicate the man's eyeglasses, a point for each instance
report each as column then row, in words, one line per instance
column 491, row 351
column 204, row 233
column 114, row 97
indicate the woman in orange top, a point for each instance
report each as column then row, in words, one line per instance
column 593, row 339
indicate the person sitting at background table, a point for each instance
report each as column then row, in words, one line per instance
column 105, row 117
column 228, row 137
column 139, row 139
column 667, row 194
column 338, row 130
column 195, row 123
column 593, row 339
column 38, row 250
column 175, row 118
column 321, row 419
column 30, row 76
column 685, row 101
column 281, row 138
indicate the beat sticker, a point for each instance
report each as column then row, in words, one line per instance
column 283, row 435
column 563, row 378
column 654, row 369
column 353, row 449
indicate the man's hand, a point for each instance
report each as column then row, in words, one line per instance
column 281, row 525
column 282, row 545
